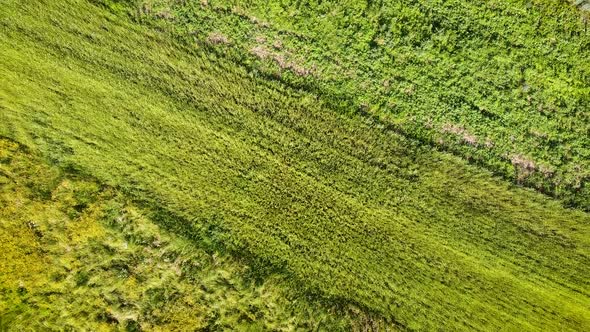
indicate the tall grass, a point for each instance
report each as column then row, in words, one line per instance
column 348, row 210
column 513, row 75
column 85, row 258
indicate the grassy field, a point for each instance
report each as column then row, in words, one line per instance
column 504, row 84
column 346, row 209
column 77, row 255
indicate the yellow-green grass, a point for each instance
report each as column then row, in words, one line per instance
column 345, row 209
column 77, row 255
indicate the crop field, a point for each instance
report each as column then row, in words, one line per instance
column 342, row 186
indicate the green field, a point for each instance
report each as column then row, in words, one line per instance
column 78, row 255
column 305, row 182
column 504, row 84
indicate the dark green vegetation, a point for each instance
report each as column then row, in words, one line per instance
column 504, row 84
column 78, row 256
column 342, row 206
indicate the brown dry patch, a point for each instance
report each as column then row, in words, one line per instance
column 523, row 166
column 145, row 9
column 410, row 90
column 261, row 52
column 538, row 133
column 165, row 15
column 264, row 53
column 281, row 61
column 466, row 136
column 278, row 44
column 300, row 70
column 452, row 128
column 217, row 38
column 523, row 162
column 470, row 139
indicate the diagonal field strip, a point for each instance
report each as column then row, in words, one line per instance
column 504, row 84
column 349, row 211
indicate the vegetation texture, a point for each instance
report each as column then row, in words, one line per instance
column 79, row 256
column 504, row 84
column 350, row 208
